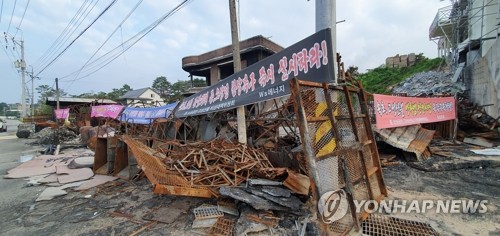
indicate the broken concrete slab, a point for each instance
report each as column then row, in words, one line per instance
column 25, row 158
column 52, row 178
column 35, row 180
column 95, row 181
column 245, row 226
column 291, row 202
column 253, row 182
column 487, row 151
column 276, row 191
column 81, row 162
column 66, row 175
column 254, row 201
column 29, row 171
column 228, row 207
column 479, row 141
column 203, row 223
column 50, row 193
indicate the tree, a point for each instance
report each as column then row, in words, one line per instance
column 197, row 82
column 46, row 91
column 3, row 108
column 92, row 94
column 162, row 86
column 117, row 93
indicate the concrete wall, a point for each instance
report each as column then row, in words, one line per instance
column 485, row 80
column 483, row 20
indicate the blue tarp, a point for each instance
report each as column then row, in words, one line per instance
column 146, row 115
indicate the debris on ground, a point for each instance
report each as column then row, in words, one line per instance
column 412, row 139
column 429, row 83
column 61, row 135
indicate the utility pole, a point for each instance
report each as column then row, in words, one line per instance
column 326, row 18
column 240, row 111
column 32, row 93
column 23, row 80
column 57, row 94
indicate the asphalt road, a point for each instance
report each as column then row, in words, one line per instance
column 11, row 148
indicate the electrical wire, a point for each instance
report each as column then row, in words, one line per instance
column 70, row 29
column 13, row 9
column 22, row 18
column 79, row 35
column 107, row 58
column 109, row 37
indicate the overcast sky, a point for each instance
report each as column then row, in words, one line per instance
column 372, row 31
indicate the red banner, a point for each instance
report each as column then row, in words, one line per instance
column 109, row 111
column 62, row 113
column 393, row 111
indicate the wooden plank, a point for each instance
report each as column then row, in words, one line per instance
column 298, row 183
column 182, row 191
column 372, row 171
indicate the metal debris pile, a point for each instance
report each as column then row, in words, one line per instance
column 54, row 136
column 429, row 83
column 473, row 117
column 217, row 163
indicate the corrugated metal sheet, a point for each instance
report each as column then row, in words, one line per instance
column 412, row 138
column 81, row 100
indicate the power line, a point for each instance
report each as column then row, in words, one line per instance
column 81, row 33
column 71, row 27
column 13, row 9
column 24, row 13
column 114, row 53
column 109, row 37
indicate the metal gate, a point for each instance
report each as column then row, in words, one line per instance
column 339, row 146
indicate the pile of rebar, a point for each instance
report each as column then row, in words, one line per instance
column 216, row 163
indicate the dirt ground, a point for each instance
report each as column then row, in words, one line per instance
column 127, row 207
column 407, row 183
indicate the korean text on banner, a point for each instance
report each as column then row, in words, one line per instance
column 62, row 113
column 393, row 111
column 310, row 59
column 146, row 115
column 108, row 111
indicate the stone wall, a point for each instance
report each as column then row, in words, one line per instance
column 485, row 80
column 401, row 61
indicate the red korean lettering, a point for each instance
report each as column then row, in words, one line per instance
column 314, row 56
column 212, row 96
column 239, row 85
column 245, row 83
column 283, row 68
column 262, row 77
column 270, row 73
column 292, row 65
column 302, row 60
column 234, row 88
column 325, row 52
column 252, row 81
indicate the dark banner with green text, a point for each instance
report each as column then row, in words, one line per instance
column 310, row 59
